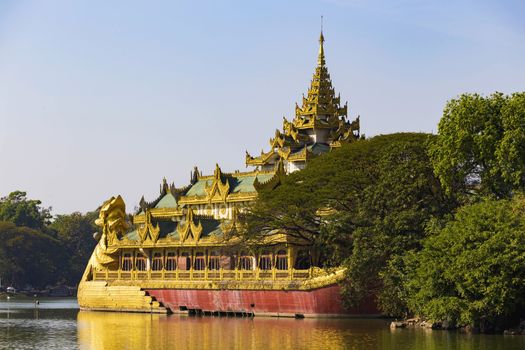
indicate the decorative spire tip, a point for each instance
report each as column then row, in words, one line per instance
column 320, row 58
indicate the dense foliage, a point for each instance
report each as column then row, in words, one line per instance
column 481, row 144
column 431, row 226
column 19, row 210
column 472, row 272
column 29, row 256
column 75, row 232
column 375, row 196
column 36, row 251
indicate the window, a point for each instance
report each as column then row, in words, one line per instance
column 214, row 261
column 140, row 263
column 227, row 262
column 265, row 261
column 127, row 262
column 171, row 261
column 281, row 261
column 246, row 262
column 199, row 261
column 302, row 262
column 184, row 261
column 157, row 262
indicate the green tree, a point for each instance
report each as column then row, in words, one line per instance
column 480, row 144
column 511, row 151
column 472, row 272
column 75, row 232
column 29, row 257
column 363, row 205
column 16, row 208
column 401, row 197
column 331, row 183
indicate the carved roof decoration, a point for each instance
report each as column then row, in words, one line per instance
column 189, row 226
column 272, row 182
column 264, row 158
column 164, row 190
column 225, row 187
column 147, row 230
column 220, row 186
column 191, row 230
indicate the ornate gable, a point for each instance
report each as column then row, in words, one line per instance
column 219, row 188
column 188, row 227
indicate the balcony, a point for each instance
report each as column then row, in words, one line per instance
column 203, row 275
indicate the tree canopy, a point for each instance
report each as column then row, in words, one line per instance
column 19, row 210
column 362, row 204
column 472, row 271
column 75, row 232
column 481, row 144
column 29, row 257
column 38, row 250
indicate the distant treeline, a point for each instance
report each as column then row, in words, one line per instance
column 38, row 250
column 431, row 225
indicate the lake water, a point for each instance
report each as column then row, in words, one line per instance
column 58, row 324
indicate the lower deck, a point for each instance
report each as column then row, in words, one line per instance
column 320, row 302
column 271, row 282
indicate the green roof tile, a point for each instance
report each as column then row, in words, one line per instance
column 168, row 201
column 319, row 148
column 245, row 183
column 198, row 189
column 132, row 235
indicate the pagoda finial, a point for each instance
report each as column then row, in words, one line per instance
column 164, row 187
column 194, row 175
column 217, row 173
column 320, row 58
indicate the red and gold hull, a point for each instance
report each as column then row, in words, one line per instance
column 240, row 293
column 321, row 302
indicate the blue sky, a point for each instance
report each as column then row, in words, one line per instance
column 99, row 98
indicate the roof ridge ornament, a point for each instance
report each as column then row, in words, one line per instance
column 189, row 226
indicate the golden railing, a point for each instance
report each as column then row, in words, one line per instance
column 202, row 275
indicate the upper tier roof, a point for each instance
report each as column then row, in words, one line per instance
column 320, row 109
column 217, row 188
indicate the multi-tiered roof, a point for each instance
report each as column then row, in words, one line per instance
column 319, row 124
column 207, row 208
column 202, row 213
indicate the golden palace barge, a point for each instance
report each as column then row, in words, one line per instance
column 176, row 256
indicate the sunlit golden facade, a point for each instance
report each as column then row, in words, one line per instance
column 183, row 239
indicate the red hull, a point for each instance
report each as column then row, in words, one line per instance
column 319, row 302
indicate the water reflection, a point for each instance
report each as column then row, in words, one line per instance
column 134, row 331
column 57, row 324
column 51, row 325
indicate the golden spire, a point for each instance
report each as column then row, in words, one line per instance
column 321, row 100
column 320, row 58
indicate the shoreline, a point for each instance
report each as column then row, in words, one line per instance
column 518, row 329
